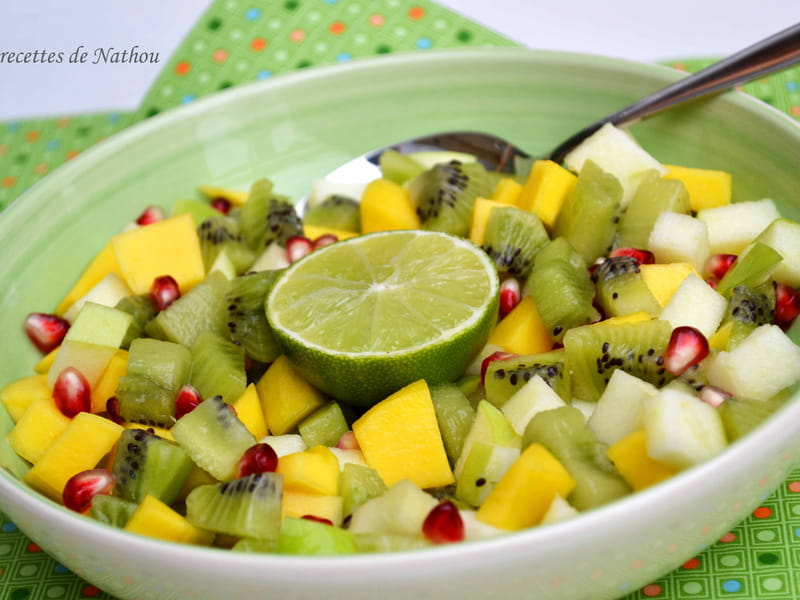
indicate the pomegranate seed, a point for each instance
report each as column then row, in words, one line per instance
column 317, row 519
column 259, row 458
column 72, row 392
column 686, row 348
column 45, row 331
column 787, row 305
column 509, row 296
column 297, row 247
column 499, row 355
column 164, row 291
column 643, row 257
column 83, row 486
column 719, row 264
column 112, row 410
column 151, row 214
column 221, row 204
column 713, row 282
column 187, row 400
column 324, row 240
column 713, row 395
column 444, row 524
column 348, row 441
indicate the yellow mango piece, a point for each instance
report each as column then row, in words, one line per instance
column 236, row 197
column 102, row 264
column 635, row 466
column 286, row 397
column 159, row 431
column 633, row 317
column 312, row 471
column 312, row 232
column 507, row 191
column 663, row 279
column 400, row 438
column 545, row 189
column 18, row 395
column 155, row 519
column 81, row 446
column 106, row 386
column 37, row 429
column 721, row 337
column 296, row 504
column 168, row 247
column 480, row 218
column 385, row 206
column 522, row 331
column 249, row 410
column 706, row 188
column 524, row 493
column 44, row 364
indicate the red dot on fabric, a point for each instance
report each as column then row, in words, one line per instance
column 219, row 55
column 728, row 537
column 90, row 591
column 183, row 67
column 33, row 547
column 652, row 590
column 377, row 20
column 762, row 512
column 794, row 486
column 416, row 13
column 258, row 44
column 337, row 27
column 298, row 35
column 692, row 563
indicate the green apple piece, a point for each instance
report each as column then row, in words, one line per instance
column 348, row 456
column 165, row 363
column 431, row 158
column 532, row 398
column 224, row 265
column 286, row 443
column 100, row 325
column 483, row 468
column 398, row 167
column 90, row 359
column 324, row 426
column 559, row 510
column 733, row 226
column 475, row 529
column 311, row 538
column 490, row 426
column 752, row 268
column 357, row 484
column 107, row 292
column 783, row 235
column 619, row 408
column 401, row 510
column 695, row 304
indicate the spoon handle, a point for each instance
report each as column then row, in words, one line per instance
column 771, row 54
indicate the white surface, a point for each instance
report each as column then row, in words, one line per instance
column 636, row 29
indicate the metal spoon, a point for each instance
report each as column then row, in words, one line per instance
column 775, row 52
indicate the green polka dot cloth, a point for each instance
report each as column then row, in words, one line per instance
column 238, row 41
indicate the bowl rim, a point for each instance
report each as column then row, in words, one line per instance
column 767, row 435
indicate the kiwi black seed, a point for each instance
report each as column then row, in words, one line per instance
column 335, row 212
column 505, row 377
column 267, row 217
column 512, row 238
column 222, row 233
column 247, row 322
column 621, row 289
column 749, row 307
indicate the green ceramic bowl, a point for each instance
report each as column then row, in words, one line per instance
column 294, row 129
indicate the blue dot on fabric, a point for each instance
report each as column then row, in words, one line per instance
column 732, row 585
column 9, row 527
column 52, row 145
column 344, row 56
column 424, row 43
column 188, row 98
column 113, row 118
column 252, row 14
column 14, row 126
column 264, row 74
column 797, row 533
column 59, row 568
column 792, row 86
column 331, row 1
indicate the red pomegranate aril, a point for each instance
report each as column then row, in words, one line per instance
column 187, row 400
column 151, row 214
column 499, row 355
column 297, row 247
column 713, row 282
column 713, row 395
column 260, row 458
column 687, row 347
column 220, row 204
column 72, row 392
column 83, row 486
column 164, row 291
column 317, row 519
column 719, row 264
column 444, row 524
column 45, row 331
column 348, row 441
column 112, row 410
column 509, row 296
column 325, row 239
column 787, row 305
column 643, row 257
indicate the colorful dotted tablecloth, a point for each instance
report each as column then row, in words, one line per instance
column 238, row 41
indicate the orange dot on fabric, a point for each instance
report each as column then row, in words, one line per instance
column 337, row 27
column 9, row 182
column 3, row 149
column 652, row 590
column 62, row 122
column 377, row 20
column 297, row 35
column 258, row 44
column 728, row 537
column 40, row 169
column 762, row 512
column 692, row 563
column 183, row 67
column 795, row 110
column 794, row 486
column 637, row 564
column 416, row 13
column 32, row 136
column 219, row 55
column 72, row 154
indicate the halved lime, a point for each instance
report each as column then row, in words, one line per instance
column 363, row 317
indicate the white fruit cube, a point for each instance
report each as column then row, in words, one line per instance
column 108, row 292
column 288, row 443
column 619, row 408
column 101, row 325
column 475, row 529
column 732, row 227
column 783, row 235
column 531, row 399
column 616, row 152
column 347, row 456
column 681, row 429
column 677, row 238
column 401, row 510
column 696, row 304
column 559, row 510
column 763, row 364
column 271, row 259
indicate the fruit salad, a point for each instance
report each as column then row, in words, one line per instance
column 443, row 354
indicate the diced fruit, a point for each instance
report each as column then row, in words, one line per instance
column 248, row 409
column 287, row 398
column 787, row 306
column 335, row 212
column 491, row 427
column 512, row 239
column 783, row 236
column 106, row 386
column 310, row 538
column 619, row 408
column 695, row 304
column 399, row 167
column 545, row 190
column 679, row 238
column 218, row 367
column 443, row 525
column 260, row 458
column 686, row 348
column 630, row 457
column 507, row 374
column 82, row 487
column 532, row 398
column 653, row 197
column 401, row 510
column 621, row 290
column 235, row 197
column 108, row 292
column 37, row 429
column 559, row 510
column 299, row 505
column 747, row 309
column 717, row 265
column 287, row 443
column 102, row 264
column 164, row 291
column 707, row 188
column 112, row 510
column 664, row 279
column 480, row 217
column 71, row 392
column 46, row 331
column 358, row 484
column 510, row 296
column 18, row 395
column 741, row 415
column 155, row 519
column 325, row 426
column 522, row 331
column 313, row 471
column 753, row 267
column 507, row 191
column 385, row 206
column 732, row 227
column 483, row 466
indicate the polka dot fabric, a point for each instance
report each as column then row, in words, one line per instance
column 238, row 41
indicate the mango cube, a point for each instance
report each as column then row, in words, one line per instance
column 44, row 364
column 18, row 395
column 102, row 264
column 400, row 439
column 286, row 397
column 237, row 197
column 522, row 331
column 385, row 206
column 249, row 410
column 312, row 232
column 664, row 279
column 480, row 217
column 635, row 466
column 155, row 519
column 523, row 495
column 297, row 504
column 313, row 471
column 507, row 191
column 167, row 247
column 706, row 188
column 545, row 190
column 37, row 429
column 106, row 386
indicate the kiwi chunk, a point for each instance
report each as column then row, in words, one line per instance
column 357, row 484
column 505, row 377
column 747, row 309
column 248, row 507
column 454, row 414
column 653, row 196
column 564, row 432
column 335, row 212
column 147, row 464
column 220, row 233
column 594, row 352
column 265, row 217
column 246, row 320
column 513, row 237
column 310, row 538
column 591, row 211
column 398, row 167
column 112, row 510
column 621, row 289
column 741, row 415
column 142, row 309
column 752, row 267
column 445, row 194
column 325, row 426
column 218, row 367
